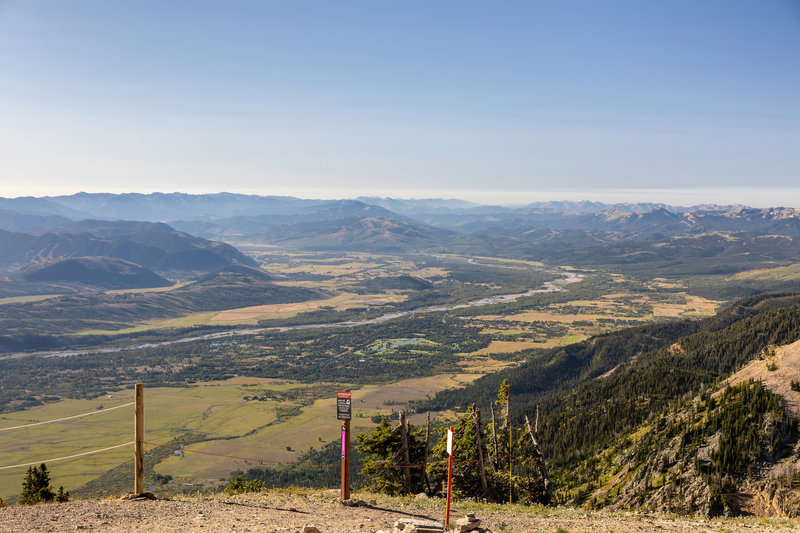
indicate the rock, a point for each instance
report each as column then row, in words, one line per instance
column 361, row 503
column 373, row 502
column 310, row 529
column 468, row 524
column 415, row 525
column 142, row 496
column 349, row 503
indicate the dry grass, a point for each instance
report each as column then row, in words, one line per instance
column 694, row 306
column 786, row 364
column 784, row 273
column 496, row 346
column 251, row 315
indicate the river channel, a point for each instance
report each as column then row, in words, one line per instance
column 549, row 286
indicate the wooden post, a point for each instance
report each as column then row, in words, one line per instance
column 138, row 448
column 479, row 444
column 345, row 460
column 406, row 455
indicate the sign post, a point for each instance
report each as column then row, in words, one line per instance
column 449, row 474
column 344, row 413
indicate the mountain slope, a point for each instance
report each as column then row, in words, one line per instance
column 154, row 246
column 97, row 272
column 597, row 397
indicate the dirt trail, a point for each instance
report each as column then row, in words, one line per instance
column 280, row 511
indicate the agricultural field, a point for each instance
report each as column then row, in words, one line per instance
column 240, row 421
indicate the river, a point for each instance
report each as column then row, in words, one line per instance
column 549, row 286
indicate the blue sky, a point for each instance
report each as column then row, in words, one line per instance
column 500, row 101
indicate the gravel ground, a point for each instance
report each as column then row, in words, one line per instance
column 287, row 512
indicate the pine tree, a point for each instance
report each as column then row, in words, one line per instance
column 36, row 486
column 384, row 458
column 62, row 496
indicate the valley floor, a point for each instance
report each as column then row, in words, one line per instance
column 290, row 511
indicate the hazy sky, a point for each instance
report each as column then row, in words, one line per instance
column 486, row 100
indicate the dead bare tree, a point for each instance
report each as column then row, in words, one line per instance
column 538, row 455
column 496, row 459
column 406, row 455
column 479, row 444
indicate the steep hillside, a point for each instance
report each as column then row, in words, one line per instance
column 152, row 245
column 733, row 448
column 97, row 272
column 730, row 450
column 598, row 398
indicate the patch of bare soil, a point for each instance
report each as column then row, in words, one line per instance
column 283, row 511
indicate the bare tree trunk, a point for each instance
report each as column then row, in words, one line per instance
column 537, row 452
column 479, row 443
column 405, row 453
column 510, row 451
column 496, row 461
column 427, row 440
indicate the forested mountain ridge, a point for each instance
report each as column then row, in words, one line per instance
column 645, row 405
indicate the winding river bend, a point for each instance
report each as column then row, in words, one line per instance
column 549, row 286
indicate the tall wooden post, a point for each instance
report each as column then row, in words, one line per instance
column 138, row 448
column 345, row 460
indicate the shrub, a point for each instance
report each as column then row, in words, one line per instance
column 239, row 486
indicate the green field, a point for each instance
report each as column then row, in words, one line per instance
column 239, row 431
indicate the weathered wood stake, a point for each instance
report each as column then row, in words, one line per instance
column 138, row 440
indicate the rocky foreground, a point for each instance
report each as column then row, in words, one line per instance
column 310, row 511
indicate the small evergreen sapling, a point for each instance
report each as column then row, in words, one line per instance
column 36, row 487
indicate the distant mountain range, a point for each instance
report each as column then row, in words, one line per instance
column 638, row 237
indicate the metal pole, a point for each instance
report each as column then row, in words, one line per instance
column 345, row 460
column 138, row 449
